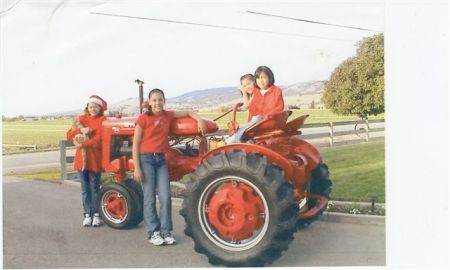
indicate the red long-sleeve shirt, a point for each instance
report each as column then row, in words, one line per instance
column 92, row 145
column 268, row 104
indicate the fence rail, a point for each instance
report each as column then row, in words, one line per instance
column 364, row 132
column 33, row 146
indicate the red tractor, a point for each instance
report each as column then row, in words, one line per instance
column 244, row 201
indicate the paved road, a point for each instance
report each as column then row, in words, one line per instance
column 31, row 161
column 42, row 229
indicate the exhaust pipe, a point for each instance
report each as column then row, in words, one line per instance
column 141, row 93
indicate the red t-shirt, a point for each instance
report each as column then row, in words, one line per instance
column 155, row 136
column 93, row 145
column 269, row 104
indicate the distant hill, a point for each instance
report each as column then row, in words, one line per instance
column 299, row 94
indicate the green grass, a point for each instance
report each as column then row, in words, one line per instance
column 47, row 134
column 55, row 176
column 52, row 176
column 357, row 171
column 43, row 133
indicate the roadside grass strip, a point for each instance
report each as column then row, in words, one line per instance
column 50, row 176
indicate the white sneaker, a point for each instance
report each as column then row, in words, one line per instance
column 87, row 221
column 97, row 220
column 169, row 240
column 156, row 239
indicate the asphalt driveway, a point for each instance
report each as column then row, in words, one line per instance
column 42, row 229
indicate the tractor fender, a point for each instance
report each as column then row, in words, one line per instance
column 271, row 156
column 306, row 150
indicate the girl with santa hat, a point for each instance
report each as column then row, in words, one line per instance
column 85, row 134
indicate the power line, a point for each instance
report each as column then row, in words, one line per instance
column 218, row 26
column 310, row 21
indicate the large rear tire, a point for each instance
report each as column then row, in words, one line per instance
column 320, row 185
column 239, row 210
column 118, row 206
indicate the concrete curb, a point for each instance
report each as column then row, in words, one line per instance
column 349, row 218
column 331, row 216
column 338, row 203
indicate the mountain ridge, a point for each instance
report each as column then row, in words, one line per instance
column 213, row 99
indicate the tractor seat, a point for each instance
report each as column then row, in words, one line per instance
column 270, row 124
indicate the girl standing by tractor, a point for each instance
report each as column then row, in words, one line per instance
column 150, row 142
column 265, row 99
column 86, row 136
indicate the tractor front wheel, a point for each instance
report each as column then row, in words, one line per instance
column 118, row 206
column 239, row 211
column 138, row 198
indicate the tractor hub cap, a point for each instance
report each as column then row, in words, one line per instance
column 114, row 206
column 235, row 211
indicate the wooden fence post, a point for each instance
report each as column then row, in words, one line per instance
column 62, row 158
column 331, row 132
column 367, row 129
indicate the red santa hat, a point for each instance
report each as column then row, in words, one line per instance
column 99, row 101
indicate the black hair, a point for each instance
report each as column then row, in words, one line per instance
column 153, row 91
column 267, row 71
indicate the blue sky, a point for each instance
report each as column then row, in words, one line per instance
column 61, row 52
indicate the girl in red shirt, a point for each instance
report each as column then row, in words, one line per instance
column 150, row 142
column 89, row 165
column 266, row 99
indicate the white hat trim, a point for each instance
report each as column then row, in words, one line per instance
column 96, row 101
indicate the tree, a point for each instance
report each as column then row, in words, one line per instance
column 312, row 105
column 356, row 86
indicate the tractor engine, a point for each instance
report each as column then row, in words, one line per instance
column 117, row 145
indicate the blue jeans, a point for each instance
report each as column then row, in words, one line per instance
column 90, row 185
column 237, row 137
column 156, row 181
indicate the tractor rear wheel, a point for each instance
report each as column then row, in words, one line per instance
column 118, row 206
column 239, row 210
column 320, row 185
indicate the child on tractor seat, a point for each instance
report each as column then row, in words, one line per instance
column 86, row 136
column 266, row 99
column 150, row 142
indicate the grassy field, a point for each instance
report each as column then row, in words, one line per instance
column 357, row 171
column 47, row 134
column 43, row 133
